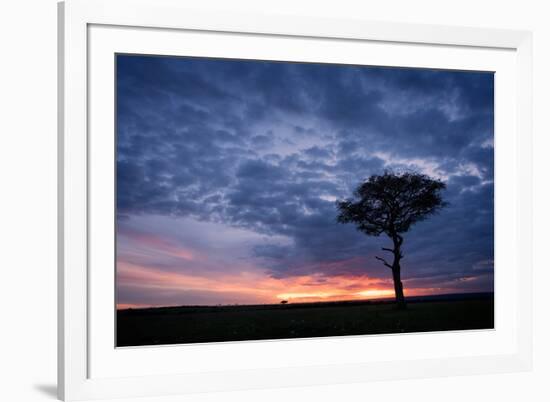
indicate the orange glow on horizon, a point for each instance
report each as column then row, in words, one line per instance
column 376, row 293
column 250, row 287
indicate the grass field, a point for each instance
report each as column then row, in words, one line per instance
column 192, row 324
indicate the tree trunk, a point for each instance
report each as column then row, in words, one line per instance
column 398, row 286
column 396, row 272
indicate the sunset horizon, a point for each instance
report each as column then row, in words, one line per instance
column 386, row 295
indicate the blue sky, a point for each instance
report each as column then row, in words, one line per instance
column 228, row 172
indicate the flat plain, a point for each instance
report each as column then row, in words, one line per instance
column 200, row 324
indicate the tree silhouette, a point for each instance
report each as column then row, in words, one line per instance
column 391, row 203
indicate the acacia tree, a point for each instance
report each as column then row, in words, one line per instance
column 391, row 203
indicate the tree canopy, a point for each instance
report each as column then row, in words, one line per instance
column 391, row 203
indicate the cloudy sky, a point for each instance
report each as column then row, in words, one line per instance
column 228, row 172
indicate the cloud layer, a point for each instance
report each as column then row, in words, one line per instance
column 259, row 151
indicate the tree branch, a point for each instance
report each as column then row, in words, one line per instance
column 400, row 239
column 384, row 261
column 388, row 249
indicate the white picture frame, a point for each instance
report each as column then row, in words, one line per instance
column 89, row 367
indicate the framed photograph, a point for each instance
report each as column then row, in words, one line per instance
column 255, row 201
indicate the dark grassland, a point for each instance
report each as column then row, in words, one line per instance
column 193, row 324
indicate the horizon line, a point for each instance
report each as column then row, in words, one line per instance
column 304, row 302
